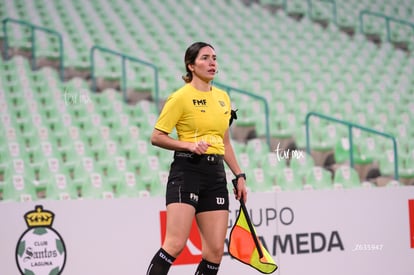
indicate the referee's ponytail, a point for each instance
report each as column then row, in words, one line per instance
column 187, row 77
column 189, row 58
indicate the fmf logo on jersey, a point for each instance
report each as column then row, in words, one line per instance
column 199, row 102
column 411, row 218
column 40, row 250
column 192, row 251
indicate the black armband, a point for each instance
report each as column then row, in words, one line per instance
column 233, row 115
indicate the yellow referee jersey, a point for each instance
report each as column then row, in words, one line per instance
column 197, row 116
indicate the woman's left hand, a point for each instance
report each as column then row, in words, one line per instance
column 241, row 191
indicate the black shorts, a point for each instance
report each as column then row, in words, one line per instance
column 199, row 181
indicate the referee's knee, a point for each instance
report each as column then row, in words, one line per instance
column 174, row 247
column 214, row 254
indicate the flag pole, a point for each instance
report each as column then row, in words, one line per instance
column 249, row 222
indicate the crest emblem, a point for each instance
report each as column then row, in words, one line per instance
column 40, row 250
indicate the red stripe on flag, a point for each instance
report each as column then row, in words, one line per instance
column 411, row 215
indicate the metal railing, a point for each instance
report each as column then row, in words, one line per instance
column 350, row 126
column 229, row 89
column 387, row 19
column 124, row 58
column 33, row 29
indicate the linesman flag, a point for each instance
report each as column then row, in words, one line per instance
column 245, row 246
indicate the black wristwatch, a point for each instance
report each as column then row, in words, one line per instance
column 241, row 175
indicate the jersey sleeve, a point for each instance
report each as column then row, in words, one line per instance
column 170, row 115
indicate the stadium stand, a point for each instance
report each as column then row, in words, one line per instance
column 60, row 139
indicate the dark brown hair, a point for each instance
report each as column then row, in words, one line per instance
column 190, row 56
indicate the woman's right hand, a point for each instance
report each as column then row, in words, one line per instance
column 199, row 147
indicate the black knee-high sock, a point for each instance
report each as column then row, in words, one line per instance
column 161, row 263
column 207, row 268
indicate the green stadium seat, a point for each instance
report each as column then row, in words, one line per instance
column 165, row 158
column 15, row 149
column 128, row 187
column 256, row 148
column 283, row 125
column 4, row 150
column 246, row 163
column 113, row 170
column 386, row 163
column 112, row 176
column 18, row 189
column 77, row 172
column 5, row 172
column 296, row 7
column 96, row 187
column 288, row 180
column 370, row 148
column 318, row 178
column 61, row 188
column 261, row 180
column 301, row 163
column 145, row 148
column 34, row 156
column 40, row 175
column 346, row 177
column 341, row 151
column 273, row 166
column 299, row 136
column 150, row 181
column 96, row 147
column 405, row 166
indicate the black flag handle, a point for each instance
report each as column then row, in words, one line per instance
column 249, row 222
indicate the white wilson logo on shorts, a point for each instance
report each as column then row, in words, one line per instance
column 220, row 201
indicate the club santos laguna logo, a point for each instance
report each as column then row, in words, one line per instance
column 40, row 250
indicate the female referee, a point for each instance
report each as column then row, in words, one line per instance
column 201, row 114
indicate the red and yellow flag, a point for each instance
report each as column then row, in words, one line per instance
column 246, row 247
